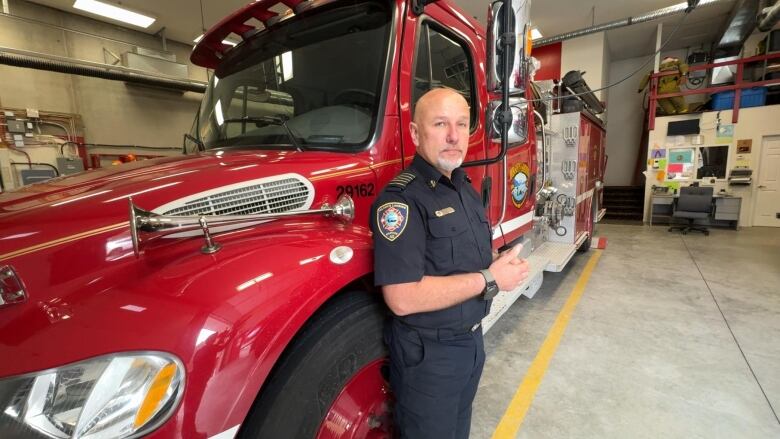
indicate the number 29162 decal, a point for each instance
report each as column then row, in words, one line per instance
column 356, row 190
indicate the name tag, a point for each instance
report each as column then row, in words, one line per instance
column 445, row 211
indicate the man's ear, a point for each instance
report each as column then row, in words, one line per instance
column 415, row 134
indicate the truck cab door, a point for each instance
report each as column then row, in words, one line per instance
column 514, row 187
column 438, row 50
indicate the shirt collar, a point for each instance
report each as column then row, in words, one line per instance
column 431, row 174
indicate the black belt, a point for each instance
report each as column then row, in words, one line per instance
column 441, row 333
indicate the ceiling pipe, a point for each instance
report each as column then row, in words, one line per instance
column 769, row 17
column 53, row 63
column 650, row 16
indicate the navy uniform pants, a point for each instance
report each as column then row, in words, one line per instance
column 434, row 375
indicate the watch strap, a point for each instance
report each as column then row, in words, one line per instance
column 488, row 277
column 491, row 287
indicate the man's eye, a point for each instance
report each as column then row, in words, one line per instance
column 439, row 124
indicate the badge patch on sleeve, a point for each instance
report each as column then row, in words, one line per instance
column 391, row 219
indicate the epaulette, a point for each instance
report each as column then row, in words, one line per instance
column 401, row 180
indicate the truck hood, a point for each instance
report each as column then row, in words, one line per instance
column 96, row 199
column 68, row 241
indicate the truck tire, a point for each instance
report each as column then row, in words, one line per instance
column 330, row 382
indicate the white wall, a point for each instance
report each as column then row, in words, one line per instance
column 754, row 123
column 624, row 128
column 606, row 77
column 587, row 54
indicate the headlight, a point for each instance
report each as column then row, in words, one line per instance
column 116, row 396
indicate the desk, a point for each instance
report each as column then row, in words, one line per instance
column 725, row 212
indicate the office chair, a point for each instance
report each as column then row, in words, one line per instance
column 693, row 203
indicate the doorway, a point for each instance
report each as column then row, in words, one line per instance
column 766, row 210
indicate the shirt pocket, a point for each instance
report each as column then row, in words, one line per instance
column 484, row 235
column 445, row 233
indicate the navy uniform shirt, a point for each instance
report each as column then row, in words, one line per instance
column 423, row 223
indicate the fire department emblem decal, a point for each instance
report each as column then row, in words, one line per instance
column 519, row 173
column 391, row 219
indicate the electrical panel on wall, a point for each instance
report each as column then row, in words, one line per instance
column 32, row 146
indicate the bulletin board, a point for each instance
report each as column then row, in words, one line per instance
column 679, row 164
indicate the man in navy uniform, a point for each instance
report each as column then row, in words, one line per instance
column 433, row 259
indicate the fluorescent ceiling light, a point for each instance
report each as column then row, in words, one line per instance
column 114, row 12
column 535, row 34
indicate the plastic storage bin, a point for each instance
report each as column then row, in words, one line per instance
column 751, row 97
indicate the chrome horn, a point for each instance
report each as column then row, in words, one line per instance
column 145, row 221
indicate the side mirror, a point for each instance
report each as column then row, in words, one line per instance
column 507, row 74
column 518, row 129
column 499, row 42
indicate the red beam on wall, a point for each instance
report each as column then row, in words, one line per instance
column 550, row 57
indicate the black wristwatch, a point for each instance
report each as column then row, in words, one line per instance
column 491, row 287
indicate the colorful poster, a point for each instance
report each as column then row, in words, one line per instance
column 675, row 167
column 680, row 164
column 658, row 153
column 684, row 155
column 724, row 133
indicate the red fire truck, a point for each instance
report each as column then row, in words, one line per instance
column 228, row 292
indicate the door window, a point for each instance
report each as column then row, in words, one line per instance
column 443, row 61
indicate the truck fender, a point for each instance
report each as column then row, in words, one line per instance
column 241, row 357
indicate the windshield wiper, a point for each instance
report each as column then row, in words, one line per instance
column 279, row 120
column 193, row 139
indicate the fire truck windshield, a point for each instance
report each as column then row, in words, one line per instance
column 322, row 73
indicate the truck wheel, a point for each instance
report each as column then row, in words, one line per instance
column 330, row 383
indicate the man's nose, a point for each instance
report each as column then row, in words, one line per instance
column 452, row 134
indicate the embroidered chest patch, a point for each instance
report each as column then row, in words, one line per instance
column 391, row 219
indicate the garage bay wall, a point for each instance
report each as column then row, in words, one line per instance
column 624, row 130
column 754, row 124
column 112, row 112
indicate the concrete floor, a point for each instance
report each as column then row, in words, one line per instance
column 674, row 337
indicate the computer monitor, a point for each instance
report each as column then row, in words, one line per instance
column 712, row 162
column 683, row 127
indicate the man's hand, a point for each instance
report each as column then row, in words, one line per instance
column 508, row 270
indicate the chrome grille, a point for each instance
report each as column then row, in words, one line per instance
column 267, row 197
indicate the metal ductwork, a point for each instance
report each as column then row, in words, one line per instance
column 769, row 17
column 53, row 63
column 650, row 16
column 740, row 25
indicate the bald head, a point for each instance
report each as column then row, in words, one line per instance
column 440, row 129
column 435, row 98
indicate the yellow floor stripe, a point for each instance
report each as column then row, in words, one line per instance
column 521, row 402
